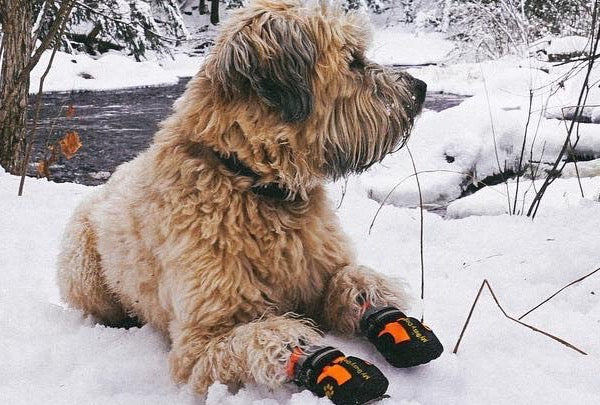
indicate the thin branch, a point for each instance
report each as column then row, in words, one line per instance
column 462, row 332
column 523, row 151
column 555, row 172
column 559, row 291
column 38, row 102
column 389, row 194
column 420, row 235
column 344, row 189
column 487, row 97
column 486, row 284
column 37, row 26
column 572, row 153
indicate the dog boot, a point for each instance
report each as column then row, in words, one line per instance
column 344, row 380
column 403, row 341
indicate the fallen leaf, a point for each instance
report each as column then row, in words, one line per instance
column 70, row 144
column 42, row 168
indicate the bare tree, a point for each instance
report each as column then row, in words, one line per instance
column 18, row 59
column 214, row 12
column 17, row 23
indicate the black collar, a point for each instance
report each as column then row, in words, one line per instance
column 271, row 190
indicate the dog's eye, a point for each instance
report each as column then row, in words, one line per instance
column 357, row 63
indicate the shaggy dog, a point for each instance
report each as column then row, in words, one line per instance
column 221, row 232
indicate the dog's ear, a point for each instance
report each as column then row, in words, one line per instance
column 273, row 57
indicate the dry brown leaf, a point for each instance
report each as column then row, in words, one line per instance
column 42, row 168
column 70, row 144
column 70, row 111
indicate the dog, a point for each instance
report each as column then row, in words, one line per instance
column 221, row 234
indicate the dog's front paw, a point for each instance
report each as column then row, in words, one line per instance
column 187, row 368
column 326, row 371
column 181, row 365
column 403, row 341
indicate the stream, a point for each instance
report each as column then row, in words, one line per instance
column 115, row 125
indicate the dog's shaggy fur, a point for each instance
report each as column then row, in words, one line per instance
column 182, row 242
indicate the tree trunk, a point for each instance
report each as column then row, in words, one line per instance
column 214, row 12
column 16, row 17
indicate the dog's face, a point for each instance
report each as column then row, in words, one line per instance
column 296, row 78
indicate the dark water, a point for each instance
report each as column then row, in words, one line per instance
column 116, row 125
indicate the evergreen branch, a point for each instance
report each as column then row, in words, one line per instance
column 129, row 23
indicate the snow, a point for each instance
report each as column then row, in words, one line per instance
column 112, row 70
column 468, row 143
column 562, row 195
column 51, row 354
column 397, row 46
column 568, row 45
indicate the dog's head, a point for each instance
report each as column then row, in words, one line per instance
column 296, row 83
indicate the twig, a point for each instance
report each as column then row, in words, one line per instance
column 344, row 189
column 555, row 172
column 522, row 151
column 558, row 292
column 489, row 287
column 572, row 150
column 389, row 194
column 38, row 101
column 487, row 97
column 38, row 22
column 420, row 235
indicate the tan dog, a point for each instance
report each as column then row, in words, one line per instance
column 221, row 231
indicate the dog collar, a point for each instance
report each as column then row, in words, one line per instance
column 270, row 190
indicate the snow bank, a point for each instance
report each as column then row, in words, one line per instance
column 568, row 45
column 50, row 354
column 182, row 65
column 484, row 135
column 564, row 194
column 395, row 46
column 110, row 71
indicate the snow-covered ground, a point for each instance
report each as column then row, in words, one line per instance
column 50, row 354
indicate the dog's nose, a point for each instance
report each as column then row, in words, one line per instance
column 420, row 89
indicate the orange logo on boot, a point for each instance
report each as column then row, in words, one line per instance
column 397, row 332
column 337, row 372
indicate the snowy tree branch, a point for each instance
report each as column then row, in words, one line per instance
column 129, row 23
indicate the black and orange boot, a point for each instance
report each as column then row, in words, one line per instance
column 403, row 341
column 344, row 380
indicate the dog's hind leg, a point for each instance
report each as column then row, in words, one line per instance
column 258, row 351
column 351, row 290
column 80, row 278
